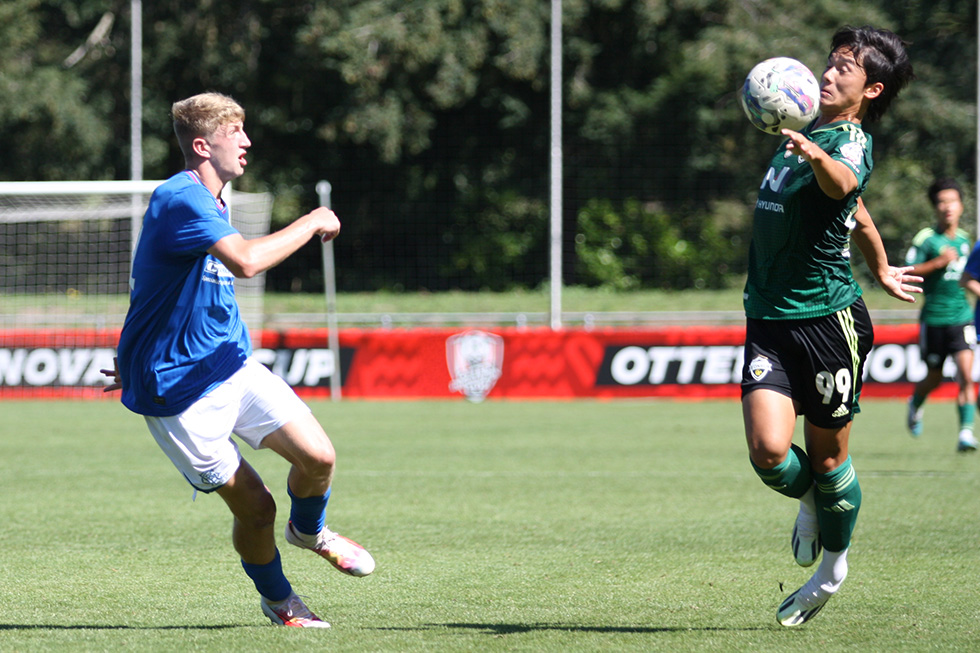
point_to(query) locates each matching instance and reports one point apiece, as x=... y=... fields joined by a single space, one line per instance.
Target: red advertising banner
x=476 y=364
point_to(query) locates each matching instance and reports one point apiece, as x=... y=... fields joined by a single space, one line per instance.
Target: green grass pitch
x=502 y=526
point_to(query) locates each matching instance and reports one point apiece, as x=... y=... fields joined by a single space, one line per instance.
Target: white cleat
x=345 y=555
x=292 y=612
x=804 y=604
x=801 y=606
x=967 y=441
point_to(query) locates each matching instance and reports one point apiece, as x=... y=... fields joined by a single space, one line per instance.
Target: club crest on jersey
x=853 y=153
x=759 y=367
x=475 y=361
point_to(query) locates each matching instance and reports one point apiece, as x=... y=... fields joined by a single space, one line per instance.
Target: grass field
x=503 y=526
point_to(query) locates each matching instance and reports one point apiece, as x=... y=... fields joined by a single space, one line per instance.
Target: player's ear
x=871 y=91
x=201 y=148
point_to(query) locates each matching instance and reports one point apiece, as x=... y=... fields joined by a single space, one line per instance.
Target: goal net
x=65 y=250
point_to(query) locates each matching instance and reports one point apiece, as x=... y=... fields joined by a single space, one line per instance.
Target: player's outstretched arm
x=247 y=258
x=896 y=281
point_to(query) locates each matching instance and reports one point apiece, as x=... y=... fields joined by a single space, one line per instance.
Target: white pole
x=136 y=90
x=323 y=189
x=556 y=164
x=135 y=112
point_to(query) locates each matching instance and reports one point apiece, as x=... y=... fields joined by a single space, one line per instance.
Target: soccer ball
x=780 y=93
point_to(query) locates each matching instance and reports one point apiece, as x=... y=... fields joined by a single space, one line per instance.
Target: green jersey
x=945 y=302
x=800 y=256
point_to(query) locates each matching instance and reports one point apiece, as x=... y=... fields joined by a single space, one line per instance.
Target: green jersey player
x=938 y=254
x=807 y=329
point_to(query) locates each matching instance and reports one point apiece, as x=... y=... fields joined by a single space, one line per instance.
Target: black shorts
x=938 y=342
x=817 y=362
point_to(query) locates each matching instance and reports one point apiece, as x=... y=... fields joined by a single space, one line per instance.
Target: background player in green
x=807 y=329
x=938 y=254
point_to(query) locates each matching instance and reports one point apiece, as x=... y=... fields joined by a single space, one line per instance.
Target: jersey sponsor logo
x=216 y=272
x=759 y=368
x=776 y=182
x=774 y=207
x=475 y=360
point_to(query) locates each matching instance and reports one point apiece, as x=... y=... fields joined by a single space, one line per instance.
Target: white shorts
x=252 y=403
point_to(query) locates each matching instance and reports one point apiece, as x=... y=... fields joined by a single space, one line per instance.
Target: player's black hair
x=883 y=56
x=944 y=183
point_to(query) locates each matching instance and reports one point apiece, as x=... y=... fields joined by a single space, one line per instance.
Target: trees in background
x=431 y=120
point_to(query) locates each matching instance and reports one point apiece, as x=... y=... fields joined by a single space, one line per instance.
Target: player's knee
x=262 y=512
x=319 y=463
x=766 y=457
x=766 y=460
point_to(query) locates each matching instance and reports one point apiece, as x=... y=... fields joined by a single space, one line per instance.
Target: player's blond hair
x=202 y=115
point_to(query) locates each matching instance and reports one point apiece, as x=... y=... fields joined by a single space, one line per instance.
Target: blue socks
x=269 y=579
x=310 y=514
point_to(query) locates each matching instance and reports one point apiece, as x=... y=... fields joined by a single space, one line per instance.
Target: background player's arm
x=970 y=283
x=247 y=258
x=947 y=256
x=893 y=280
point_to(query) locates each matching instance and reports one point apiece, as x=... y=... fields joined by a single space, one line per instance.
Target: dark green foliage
x=639 y=246
x=431 y=120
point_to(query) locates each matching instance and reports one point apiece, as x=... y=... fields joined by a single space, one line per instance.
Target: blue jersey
x=973 y=268
x=183 y=334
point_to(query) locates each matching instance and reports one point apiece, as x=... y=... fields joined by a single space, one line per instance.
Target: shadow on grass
x=112 y=627
x=511 y=629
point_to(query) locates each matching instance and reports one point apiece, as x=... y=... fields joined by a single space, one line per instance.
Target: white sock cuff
x=832 y=570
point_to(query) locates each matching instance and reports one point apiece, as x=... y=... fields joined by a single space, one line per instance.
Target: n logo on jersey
x=776 y=182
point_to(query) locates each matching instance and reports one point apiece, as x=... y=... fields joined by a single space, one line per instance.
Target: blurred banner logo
x=476 y=361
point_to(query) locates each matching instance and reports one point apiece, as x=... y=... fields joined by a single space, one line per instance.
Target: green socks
x=791 y=477
x=966 y=416
x=837 y=495
x=838 y=499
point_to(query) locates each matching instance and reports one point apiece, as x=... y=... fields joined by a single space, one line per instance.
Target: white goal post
x=65 y=250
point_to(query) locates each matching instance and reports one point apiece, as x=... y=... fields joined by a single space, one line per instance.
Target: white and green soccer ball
x=780 y=93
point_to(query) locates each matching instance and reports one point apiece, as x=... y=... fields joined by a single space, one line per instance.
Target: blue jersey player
x=184 y=358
